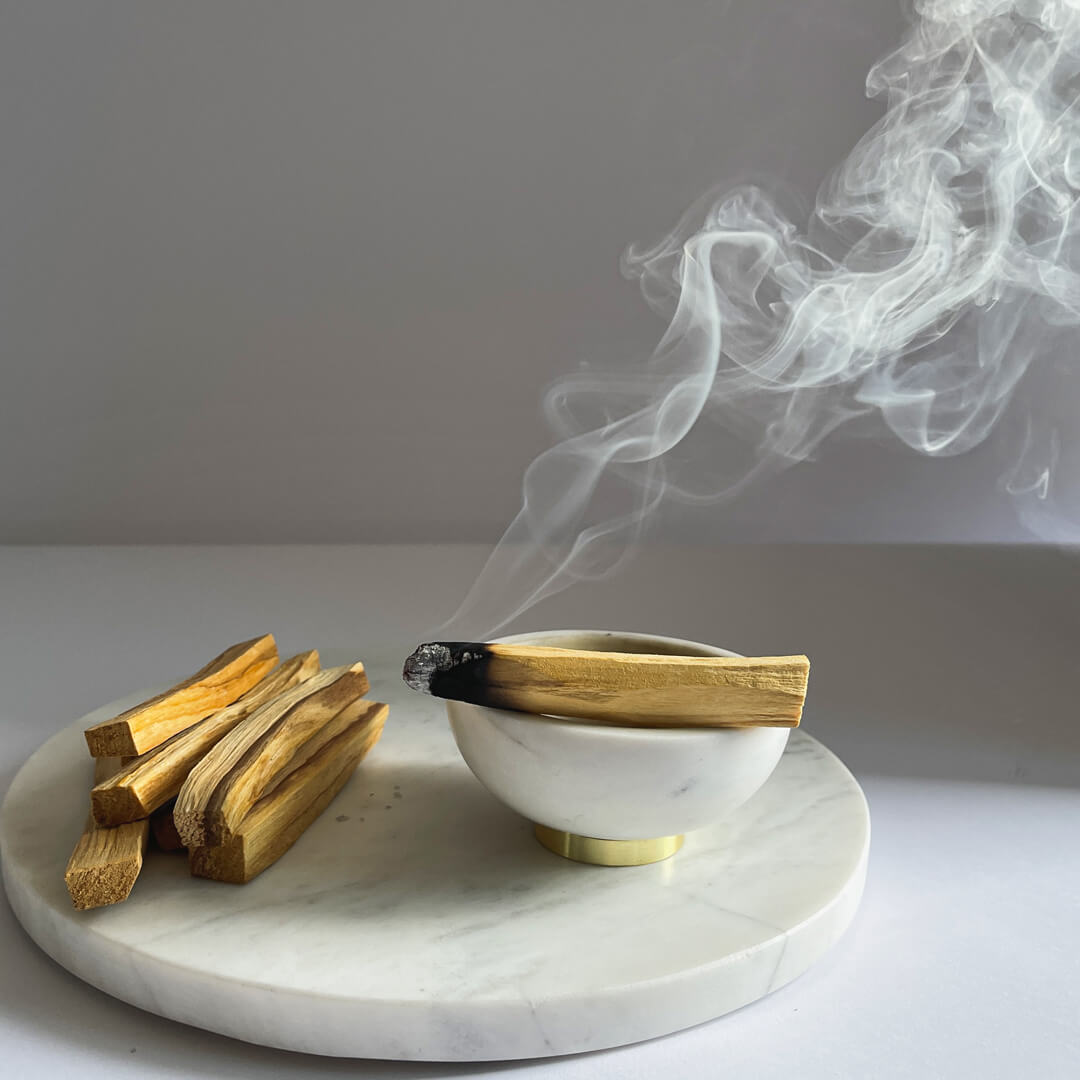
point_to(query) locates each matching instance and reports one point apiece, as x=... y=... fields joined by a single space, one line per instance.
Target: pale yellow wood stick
x=277 y=820
x=106 y=861
x=238 y=771
x=218 y=684
x=157 y=776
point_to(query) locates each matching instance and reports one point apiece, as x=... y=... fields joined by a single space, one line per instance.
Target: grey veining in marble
x=419 y=919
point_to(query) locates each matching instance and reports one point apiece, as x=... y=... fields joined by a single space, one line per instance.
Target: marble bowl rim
x=577 y=729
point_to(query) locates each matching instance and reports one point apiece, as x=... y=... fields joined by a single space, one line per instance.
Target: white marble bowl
x=614 y=783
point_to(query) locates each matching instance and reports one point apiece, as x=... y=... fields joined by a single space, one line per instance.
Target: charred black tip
x=424 y=662
x=448 y=669
x=437 y=664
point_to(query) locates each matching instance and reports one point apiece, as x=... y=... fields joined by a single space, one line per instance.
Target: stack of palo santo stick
x=232 y=764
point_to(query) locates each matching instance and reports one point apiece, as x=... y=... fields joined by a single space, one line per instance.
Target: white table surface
x=945 y=677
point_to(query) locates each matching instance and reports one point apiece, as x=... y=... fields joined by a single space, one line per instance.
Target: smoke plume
x=938 y=268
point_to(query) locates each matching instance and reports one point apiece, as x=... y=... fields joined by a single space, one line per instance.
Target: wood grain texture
x=279 y=818
x=156 y=777
x=631 y=689
x=106 y=862
x=219 y=683
x=224 y=786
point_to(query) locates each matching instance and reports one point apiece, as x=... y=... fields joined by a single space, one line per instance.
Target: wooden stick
x=224 y=786
x=105 y=863
x=220 y=683
x=275 y=822
x=632 y=689
x=157 y=776
x=163 y=829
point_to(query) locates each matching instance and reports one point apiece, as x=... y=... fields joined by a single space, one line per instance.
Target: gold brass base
x=590 y=849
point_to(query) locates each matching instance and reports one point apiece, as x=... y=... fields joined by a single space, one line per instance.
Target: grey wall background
x=279 y=272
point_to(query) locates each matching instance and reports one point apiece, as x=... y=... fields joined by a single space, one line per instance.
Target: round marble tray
x=418 y=918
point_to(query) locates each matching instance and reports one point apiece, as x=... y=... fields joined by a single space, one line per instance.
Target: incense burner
x=614 y=796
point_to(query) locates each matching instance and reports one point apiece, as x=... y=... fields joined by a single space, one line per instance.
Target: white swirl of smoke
x=939 y=264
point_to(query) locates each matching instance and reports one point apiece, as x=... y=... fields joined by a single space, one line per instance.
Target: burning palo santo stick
x=277 y=820
x=156 y=777
x=224 y=786
x=631 y=689
x=220 y=683
x=106 y=861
